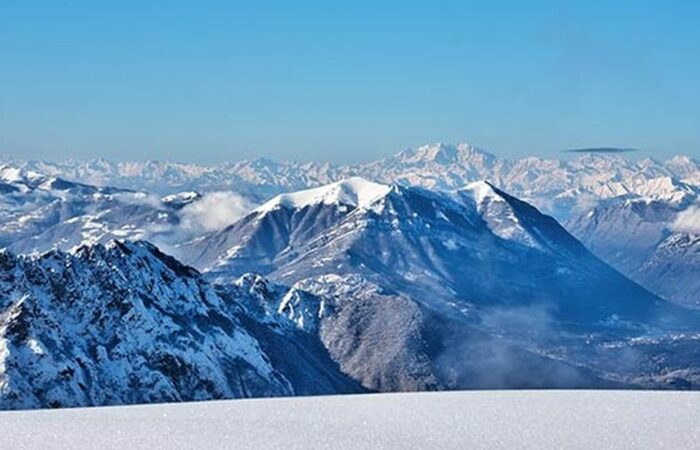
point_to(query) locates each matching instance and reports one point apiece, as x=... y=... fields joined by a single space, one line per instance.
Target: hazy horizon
x=630 y=154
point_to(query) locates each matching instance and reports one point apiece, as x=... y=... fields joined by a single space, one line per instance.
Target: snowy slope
x=125 y=323
x=488 y=420
x=355 y=192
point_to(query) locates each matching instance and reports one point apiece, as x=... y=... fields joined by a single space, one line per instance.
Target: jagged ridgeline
x=125 y=323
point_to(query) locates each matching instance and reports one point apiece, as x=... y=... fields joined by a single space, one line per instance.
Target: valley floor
x=477 y=419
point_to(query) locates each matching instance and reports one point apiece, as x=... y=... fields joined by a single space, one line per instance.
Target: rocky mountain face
x=125 y=323
x=625 y=232
x=672 y=269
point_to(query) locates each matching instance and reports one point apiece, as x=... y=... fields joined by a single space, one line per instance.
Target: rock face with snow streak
x=124 y=323
x=672 y=269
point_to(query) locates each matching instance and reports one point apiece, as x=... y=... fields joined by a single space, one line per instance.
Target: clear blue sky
x=206 y=81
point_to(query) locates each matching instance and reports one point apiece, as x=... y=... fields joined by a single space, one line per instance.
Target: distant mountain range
x=437 y=268
x=557 y=187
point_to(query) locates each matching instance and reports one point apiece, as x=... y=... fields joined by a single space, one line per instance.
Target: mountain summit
x=355 y=192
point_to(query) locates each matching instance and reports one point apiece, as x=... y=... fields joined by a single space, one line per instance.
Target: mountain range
x=560 y=187
x=598 y=197
x=443 y=267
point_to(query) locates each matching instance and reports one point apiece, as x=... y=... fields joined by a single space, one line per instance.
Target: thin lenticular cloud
x=601 y=150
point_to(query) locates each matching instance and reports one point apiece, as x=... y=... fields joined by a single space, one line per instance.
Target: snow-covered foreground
x=483 y=419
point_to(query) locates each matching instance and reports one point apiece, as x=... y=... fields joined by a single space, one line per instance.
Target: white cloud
x=687 y=221
x=215 y=210
x=137 y=198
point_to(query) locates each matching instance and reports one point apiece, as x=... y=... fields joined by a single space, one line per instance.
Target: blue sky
x=206 y=81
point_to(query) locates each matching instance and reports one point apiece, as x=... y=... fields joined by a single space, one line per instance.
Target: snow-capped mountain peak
x=444 y=154
x=482 y=192
x=514 y=220
x=10 y=174
x=682 y=165
x=356 y=192
x=666 y=189
x=20 y=178
x=564 y=188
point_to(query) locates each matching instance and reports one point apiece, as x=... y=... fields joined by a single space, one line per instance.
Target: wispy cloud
x=687 y=221
x=215 y=210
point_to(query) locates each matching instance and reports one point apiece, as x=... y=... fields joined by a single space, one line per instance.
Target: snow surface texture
x=489 y=420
